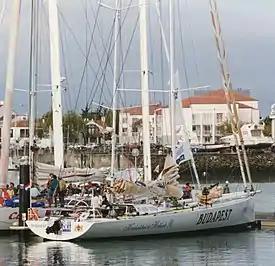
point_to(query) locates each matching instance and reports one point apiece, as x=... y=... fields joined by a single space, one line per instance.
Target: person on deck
x=188 y=187
x=226 y=189
x=62 y=191
x=53 y=191
x=10 y=190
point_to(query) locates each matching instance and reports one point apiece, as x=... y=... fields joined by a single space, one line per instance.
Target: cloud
x=247 y=27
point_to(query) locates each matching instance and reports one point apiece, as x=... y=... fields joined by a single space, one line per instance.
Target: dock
x=267 y=219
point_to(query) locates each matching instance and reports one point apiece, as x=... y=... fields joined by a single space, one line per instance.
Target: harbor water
x=245 y=248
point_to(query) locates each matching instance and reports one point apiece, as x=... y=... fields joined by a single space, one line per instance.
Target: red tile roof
x=22 y=123
x=137 y=110
x=244 y=106
x=214 y=97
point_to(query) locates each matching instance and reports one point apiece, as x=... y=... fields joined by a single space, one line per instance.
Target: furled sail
x=166 y=184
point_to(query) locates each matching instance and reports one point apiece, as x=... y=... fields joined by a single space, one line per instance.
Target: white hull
x=233 y=213
x=9 y=216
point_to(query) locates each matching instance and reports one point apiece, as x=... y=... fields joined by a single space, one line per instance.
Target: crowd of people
x=57 y=190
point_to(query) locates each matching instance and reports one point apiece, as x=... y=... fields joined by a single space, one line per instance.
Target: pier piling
x=24 y=193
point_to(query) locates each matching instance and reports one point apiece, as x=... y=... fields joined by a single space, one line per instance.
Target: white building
x=202 y=115
x=130 y=124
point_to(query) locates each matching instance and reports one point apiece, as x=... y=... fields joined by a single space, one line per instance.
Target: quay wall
x=211 y=167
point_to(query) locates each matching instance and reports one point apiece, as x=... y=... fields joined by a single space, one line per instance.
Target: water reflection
x=223 y=249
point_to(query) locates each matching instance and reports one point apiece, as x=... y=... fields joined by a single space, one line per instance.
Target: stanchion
x=24 y=193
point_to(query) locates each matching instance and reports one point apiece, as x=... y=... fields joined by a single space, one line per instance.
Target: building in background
x=130 y=124
x=200 y=116
x=203 y=115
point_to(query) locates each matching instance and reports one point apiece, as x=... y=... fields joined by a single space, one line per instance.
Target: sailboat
x=207 y=212
x=10 y=215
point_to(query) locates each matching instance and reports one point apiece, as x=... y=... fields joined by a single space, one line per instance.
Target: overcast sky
x=248 y=28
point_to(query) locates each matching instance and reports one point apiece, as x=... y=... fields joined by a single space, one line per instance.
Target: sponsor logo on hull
x=66 y=226
x=214 y=217
x=15 y=215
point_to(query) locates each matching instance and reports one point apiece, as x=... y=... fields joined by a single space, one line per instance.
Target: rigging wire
x=100 y=34
x=87 y=57
x=3 y=11
x=192 y=41
x=100 y=60
x=108 y=54
x=128 y=49
x=112 y=45
x=65 y=72
x=75 y=38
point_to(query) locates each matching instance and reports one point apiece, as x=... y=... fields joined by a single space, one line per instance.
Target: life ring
x=33 y=214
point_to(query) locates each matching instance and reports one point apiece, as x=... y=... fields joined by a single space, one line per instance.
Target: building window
x=256 y=133
x=219 y=117
x=159 y=131
x=194 y=119
x=134 y=129
x=218 y=130
x=206 y=139
x=124 y=120
x=22 y=133
x=11 y=135
x=206 y=129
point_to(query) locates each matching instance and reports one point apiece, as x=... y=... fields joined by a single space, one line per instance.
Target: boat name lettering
x=213 y=217
x=38 y=225
x=155 y=225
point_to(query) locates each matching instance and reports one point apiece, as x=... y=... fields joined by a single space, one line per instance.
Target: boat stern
x=59 y=230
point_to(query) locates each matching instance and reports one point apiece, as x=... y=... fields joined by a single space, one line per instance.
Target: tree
x=267 y=128
x=226 y=128
x=73 y=124
x=43 y=124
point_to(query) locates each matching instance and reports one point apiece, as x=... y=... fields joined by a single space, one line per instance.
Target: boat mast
x=172 y=78
x=56 y=85
x=145 y=89
x=115 y=85
x=172 y=113
x=13 y=41
x=230 y=99
x=33 y=82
